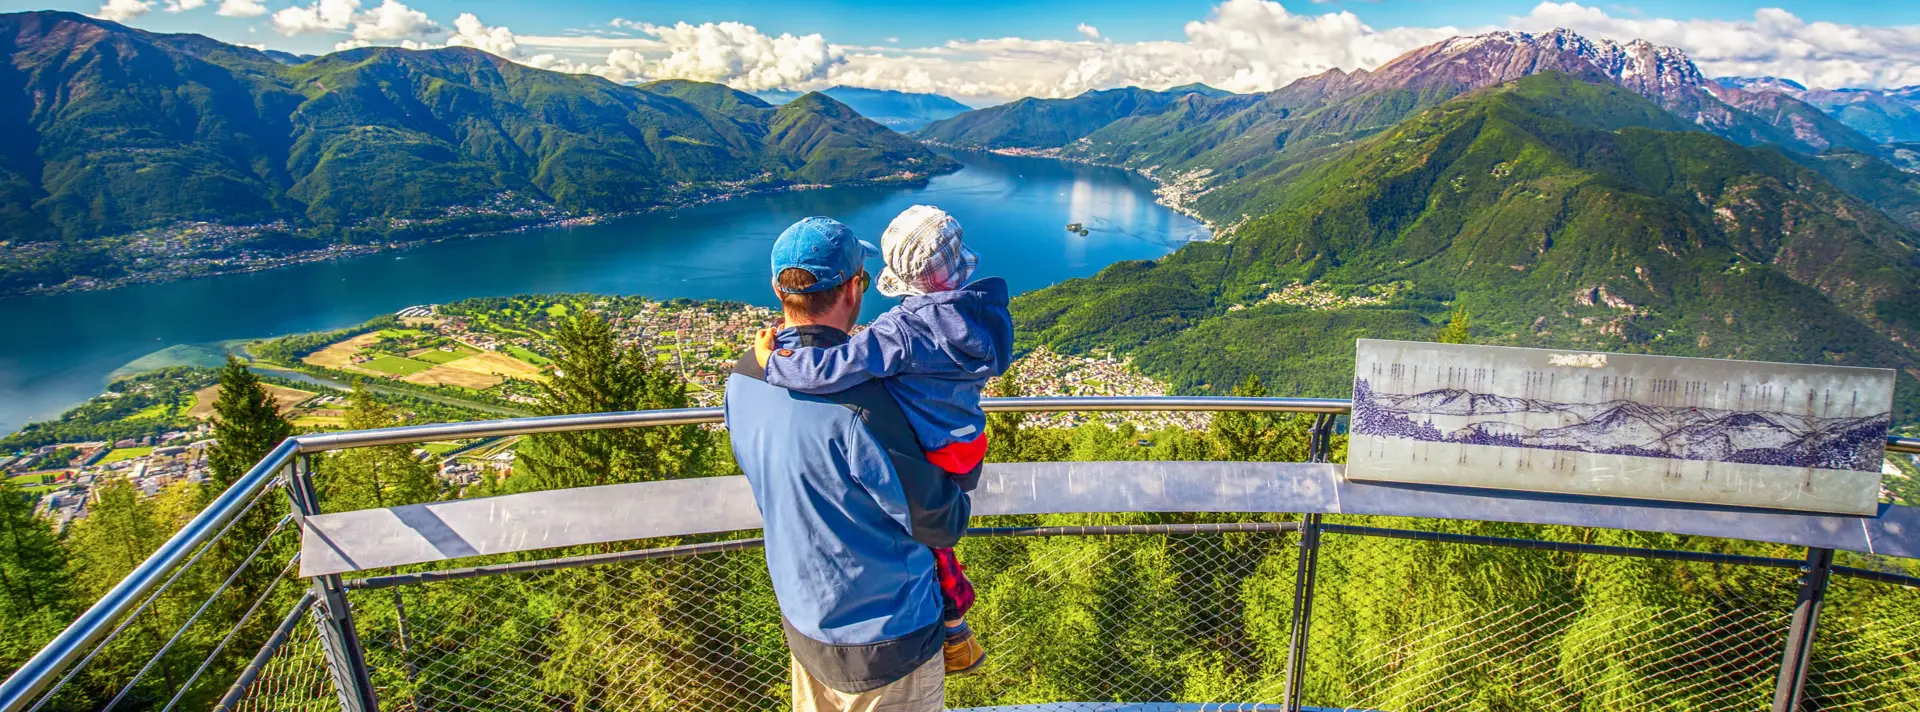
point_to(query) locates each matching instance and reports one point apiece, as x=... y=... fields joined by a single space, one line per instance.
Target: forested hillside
x=1557 y=212
x=116 y=128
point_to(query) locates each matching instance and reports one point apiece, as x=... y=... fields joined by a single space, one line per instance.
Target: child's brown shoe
x=963 y=652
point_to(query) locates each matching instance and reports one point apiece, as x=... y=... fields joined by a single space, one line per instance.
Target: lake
x=60 y=350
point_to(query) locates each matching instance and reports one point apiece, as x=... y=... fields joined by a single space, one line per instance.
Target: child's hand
x=763 y=345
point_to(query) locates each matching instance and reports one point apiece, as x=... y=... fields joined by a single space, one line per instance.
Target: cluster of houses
x=163 y=461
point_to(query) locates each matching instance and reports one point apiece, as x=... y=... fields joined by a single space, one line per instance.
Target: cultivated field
x=453 y=375
x=340 y=355
x=396 y=366
x=283 y=397
x=498 y=364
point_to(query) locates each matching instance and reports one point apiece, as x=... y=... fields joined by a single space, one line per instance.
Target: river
x=59 y=350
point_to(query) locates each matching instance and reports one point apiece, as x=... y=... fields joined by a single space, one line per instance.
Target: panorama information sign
x=1743 y=433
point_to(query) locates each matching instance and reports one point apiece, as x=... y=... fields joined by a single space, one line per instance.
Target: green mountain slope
x=126 y=129
x=1550 y=210
x=1052 y=123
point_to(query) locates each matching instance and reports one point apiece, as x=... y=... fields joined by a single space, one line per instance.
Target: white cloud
x=468 y=31
x=123 y=10
x=241 y=8
x=320 y=16
x=345 y=45
x=185 y=5
x=623 y=65
x=893 y=40
x=578 y=43
x=1774 y=43
x=392 y=21
x=742 y=56
x=1243 y=45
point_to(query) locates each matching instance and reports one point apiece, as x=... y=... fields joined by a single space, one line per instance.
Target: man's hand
x=763 y=345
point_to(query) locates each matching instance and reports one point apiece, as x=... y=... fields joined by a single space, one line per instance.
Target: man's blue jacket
x=850 y=505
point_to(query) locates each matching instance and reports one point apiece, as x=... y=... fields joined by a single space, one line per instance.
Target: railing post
x=346 y=659
x=1303 y=578
x=1792 y=685
x=1320 y=438
x=1319 y=449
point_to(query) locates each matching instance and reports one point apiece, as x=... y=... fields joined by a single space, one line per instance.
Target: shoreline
x=336 y=252
x=1163 y=193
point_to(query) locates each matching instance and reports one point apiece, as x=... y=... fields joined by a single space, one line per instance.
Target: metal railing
x=27 y=688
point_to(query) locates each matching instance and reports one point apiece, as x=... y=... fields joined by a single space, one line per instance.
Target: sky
x=989 y=51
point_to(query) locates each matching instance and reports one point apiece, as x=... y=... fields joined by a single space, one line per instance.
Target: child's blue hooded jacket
x=935 y=353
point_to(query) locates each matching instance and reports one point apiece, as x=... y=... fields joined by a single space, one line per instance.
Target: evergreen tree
x=35 y=592
x=1458 y=328
x=1259 y=437
x=374 y=477
x=595 y=374
x=120 y=530
x=247 y=425
x=1003 y=429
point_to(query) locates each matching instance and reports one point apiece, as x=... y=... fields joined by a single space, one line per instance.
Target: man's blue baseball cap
x=823 y=247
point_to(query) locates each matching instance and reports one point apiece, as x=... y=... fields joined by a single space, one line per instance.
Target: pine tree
x=374 y=477
x=1458 y=328
x=595 y=374
x=1259 y=437
x=247 y=425
x=1003 y=429
x=35 y=590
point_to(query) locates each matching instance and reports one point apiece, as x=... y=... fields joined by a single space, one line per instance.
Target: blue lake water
x=56 y=351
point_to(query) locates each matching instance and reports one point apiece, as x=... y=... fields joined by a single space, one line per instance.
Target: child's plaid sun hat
x=924 y=253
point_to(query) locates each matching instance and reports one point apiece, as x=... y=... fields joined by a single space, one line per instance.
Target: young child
x=936 y=351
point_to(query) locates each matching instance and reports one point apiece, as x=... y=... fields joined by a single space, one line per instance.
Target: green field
x=437 y=356
x=396 y=365
x=31 y=484
x=157 y=410
x=126 y=453
x=525 y=355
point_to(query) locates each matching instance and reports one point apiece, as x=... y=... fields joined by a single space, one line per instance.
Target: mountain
x=1885 y=115
x=122 y=129
x=1199 y=88
x=287 y=57
x=1363 y=100
x=898 y=110
x=1760 y=83
x=1561 y=213
x=1052 y=123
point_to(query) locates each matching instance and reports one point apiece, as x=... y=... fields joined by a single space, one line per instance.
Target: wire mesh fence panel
x=1866 y=653
x=1189 y=617
x=695 y=632
x=1070 y=620
x=295 y=679
x=186 y=641
x=1417 y=625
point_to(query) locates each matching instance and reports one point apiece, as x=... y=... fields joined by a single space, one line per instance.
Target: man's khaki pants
x=923 y=690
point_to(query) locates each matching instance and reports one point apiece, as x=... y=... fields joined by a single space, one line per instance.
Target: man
x=849 y=501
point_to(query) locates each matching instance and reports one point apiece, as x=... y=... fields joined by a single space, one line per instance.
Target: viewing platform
x=1112 y=585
